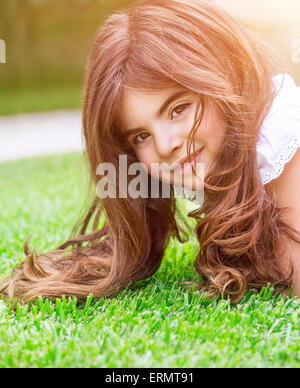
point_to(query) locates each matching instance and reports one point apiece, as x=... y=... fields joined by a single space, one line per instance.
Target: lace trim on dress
x=279 y=136
x=282 y=160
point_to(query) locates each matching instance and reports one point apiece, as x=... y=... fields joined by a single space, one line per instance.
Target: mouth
x=181 y=163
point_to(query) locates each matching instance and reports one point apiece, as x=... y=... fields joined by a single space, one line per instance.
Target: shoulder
x=287 y=194
x=279 y=135
x=287 y=186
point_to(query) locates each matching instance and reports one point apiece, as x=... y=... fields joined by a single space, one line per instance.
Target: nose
x=168 y=143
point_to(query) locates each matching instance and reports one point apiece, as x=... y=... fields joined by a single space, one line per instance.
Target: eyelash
x=178 y=106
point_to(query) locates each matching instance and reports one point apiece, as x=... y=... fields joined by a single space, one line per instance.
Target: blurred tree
x=48 y=40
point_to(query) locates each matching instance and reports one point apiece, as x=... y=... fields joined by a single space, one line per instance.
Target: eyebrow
x=161 y=111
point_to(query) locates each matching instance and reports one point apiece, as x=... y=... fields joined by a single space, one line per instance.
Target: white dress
x=279 y=136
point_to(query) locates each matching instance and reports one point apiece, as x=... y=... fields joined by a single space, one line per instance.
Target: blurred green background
x=47 y=42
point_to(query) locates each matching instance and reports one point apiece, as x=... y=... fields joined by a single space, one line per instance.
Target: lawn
x=36 y=99
x=158 y=322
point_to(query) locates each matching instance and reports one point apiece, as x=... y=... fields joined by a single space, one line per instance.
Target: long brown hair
x=149 y=46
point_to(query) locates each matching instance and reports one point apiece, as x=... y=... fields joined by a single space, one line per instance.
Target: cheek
x=146 y=157
x=212 y=131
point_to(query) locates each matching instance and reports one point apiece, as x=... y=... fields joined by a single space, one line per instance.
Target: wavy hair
x=149 y=46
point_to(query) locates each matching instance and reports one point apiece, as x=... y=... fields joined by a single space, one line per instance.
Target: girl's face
x=157 y=126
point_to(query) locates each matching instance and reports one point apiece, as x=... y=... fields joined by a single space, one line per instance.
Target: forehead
x=138 y=105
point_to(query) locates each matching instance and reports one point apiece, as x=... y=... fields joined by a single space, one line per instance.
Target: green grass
x=158 y=322
x=36 y=99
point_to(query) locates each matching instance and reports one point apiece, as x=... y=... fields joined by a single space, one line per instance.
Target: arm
x=287 y=191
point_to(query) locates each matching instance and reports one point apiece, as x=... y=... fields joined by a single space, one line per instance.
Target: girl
x=164 y=75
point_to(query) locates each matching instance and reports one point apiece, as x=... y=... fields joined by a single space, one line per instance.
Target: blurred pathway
x=36 y=134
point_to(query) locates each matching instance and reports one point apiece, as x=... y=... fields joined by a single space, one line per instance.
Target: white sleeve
x=279 y=136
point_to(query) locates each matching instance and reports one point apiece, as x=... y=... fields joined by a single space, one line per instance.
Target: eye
x=181 y=108
x=136 y=141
